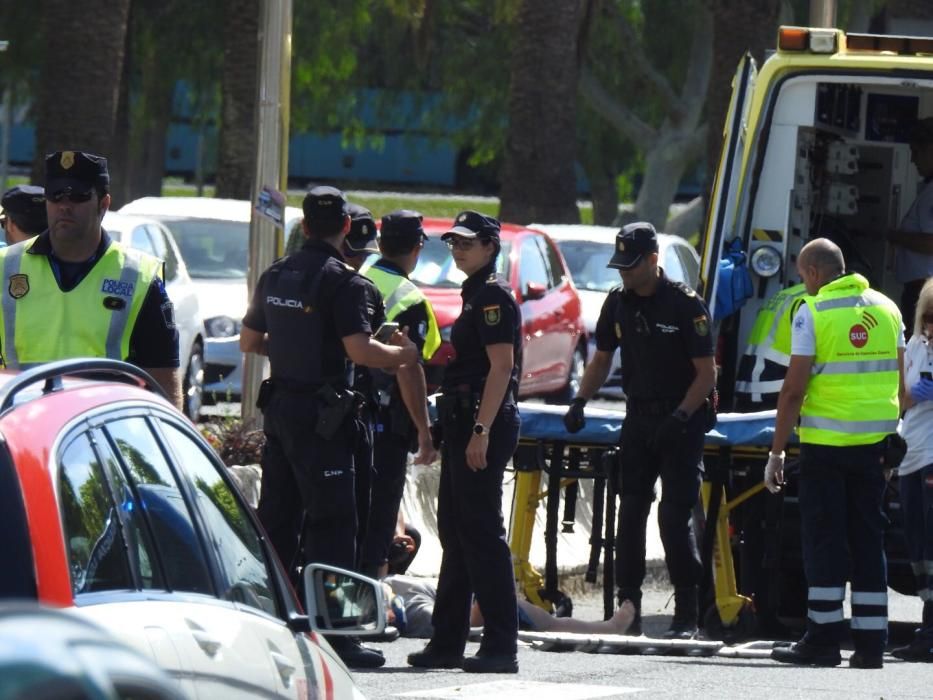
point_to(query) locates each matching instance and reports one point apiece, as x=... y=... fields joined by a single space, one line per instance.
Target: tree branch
x=700 y=62
x=616 y=114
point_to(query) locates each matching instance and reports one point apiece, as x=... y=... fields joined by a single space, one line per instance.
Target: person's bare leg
x=545 y=622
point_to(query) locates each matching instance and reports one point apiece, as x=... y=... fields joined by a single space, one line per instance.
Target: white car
x=587 y=249
x=151 y=237
x=213 y=235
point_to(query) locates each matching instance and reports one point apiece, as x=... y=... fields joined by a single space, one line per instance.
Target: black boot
x=684 y=624
x=354 y=654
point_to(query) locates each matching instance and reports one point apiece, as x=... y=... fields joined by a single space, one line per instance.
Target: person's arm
x=595 y=374
x=914 y=241
x=362 y=349
x=414 y=388
x=253 y=341
x=501 y=360
x=790 y=400
x=903 y=396
x=169 y=378
x=702 y=384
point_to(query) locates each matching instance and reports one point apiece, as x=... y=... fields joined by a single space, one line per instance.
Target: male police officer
x=403 y=411
x=764 y=364
x=23 y=213
x=843 y=381
x=668 y=371
x=72 y=292
x=309 y=315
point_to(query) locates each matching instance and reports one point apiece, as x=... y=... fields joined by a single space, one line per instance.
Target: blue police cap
x=632 y=243
x=76 y=171
x=362 y=235
x=402 y=224
x=472 y=224
x=25 y=204
x=324 y=204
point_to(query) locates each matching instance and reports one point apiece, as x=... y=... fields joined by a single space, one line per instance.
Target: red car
x=554 y=348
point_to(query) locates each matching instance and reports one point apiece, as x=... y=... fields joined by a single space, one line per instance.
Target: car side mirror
x=535 y=290
x=341 y=602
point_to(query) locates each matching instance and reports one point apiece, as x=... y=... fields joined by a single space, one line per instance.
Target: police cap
x=402 y=225
x=25 y=204
x=472 y=224
x=324 y=204
x=632 y=242
x=75 y=171
x=362 y=235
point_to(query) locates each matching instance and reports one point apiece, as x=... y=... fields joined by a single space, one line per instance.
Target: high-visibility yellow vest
x=399 y=294
x=851 y=396
x=768 y=349
x=40 y=323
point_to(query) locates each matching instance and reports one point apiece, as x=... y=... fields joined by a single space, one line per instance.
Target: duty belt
x=651 y=407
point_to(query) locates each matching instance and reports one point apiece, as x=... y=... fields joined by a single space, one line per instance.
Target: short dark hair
x=393 y=247
x=325 y=228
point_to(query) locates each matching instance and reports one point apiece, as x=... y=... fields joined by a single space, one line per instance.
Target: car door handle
x=282 y=664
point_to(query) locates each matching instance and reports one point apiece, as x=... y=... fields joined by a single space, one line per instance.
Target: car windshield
x=587 y=262
x=211 y=248
x=436 y=266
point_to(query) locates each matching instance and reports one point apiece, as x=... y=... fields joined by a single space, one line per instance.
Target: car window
x=554 y=265
x=690 y=264
x=229 y=528
x=212 y=249
x=436 y=266
x=531 y=266
x=139 y=239
x=587 y=263
x=97 y=559
x=164 y=252
x=673 y=267
x=170 y=520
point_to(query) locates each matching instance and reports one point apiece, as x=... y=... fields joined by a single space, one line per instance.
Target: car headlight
x=221 y=327
x=445 y=333
x=766 y=261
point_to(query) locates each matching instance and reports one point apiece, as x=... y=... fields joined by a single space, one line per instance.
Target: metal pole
x=822 y=13
x=273 y=98
x=7 y=118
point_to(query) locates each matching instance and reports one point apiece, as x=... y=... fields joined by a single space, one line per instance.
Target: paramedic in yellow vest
x=73 y=292
x=402 y=419
x=844 y=383
x=764 y=364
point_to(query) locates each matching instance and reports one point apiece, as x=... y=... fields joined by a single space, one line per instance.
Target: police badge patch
x=19 y=286
x=492 y=314
x=701 y=325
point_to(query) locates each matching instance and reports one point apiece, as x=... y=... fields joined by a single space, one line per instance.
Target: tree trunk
x=79 y=79
x=538 y=179
x=237 y=157
x=605 y=196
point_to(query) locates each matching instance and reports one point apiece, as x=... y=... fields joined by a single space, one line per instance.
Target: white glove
x=774 y=472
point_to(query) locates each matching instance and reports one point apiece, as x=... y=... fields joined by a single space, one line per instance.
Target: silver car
x=587 y=249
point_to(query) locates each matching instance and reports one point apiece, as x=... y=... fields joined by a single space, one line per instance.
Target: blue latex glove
x=922 y=390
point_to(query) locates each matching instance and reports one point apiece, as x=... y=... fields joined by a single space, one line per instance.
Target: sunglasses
x=460 y=243
x=71 y=196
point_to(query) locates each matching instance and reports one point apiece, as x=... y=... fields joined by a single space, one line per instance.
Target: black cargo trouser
x=305 y=474
x=677 y=462
x=476 y=556
x=364 y=475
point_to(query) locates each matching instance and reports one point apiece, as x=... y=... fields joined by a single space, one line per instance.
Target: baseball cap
x=632 y=242
x=25 y=204
x=470 y=224
x=921 y=131
x=403 y=224
x=324 y=203
x=76 y=171
x=362 y=235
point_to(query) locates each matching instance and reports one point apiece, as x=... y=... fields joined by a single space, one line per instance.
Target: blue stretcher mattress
x=544 y=422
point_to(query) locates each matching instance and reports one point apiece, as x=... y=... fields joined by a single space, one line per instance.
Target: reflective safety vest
x=764 y=364
x=41 y=323
x=851 y=396
x=399 y=294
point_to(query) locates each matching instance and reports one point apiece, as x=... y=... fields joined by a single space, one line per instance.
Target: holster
x=335 y=407
x=895 y=447
x=711 y=408
x=266 y=389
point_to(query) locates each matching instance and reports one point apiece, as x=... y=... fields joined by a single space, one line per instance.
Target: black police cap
x=632 y=243
x=362 y=235
x=472 y=224
x=402 y=224
x=77 y=171
x=324 y=204
x=25 y=204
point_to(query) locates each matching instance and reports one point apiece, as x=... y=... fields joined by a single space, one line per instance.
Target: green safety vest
x=399 y=293
x=40 y=323
x=769 y=342
x=851 y=396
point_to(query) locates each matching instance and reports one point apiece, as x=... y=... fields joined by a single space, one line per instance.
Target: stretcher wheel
x=744 y=627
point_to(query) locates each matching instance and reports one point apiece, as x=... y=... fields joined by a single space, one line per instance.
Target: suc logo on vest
x=858 y=335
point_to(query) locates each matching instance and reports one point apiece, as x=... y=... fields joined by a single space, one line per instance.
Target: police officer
x=764 y=364
x=403 y=414
x=24 y=213
x=479 y=417
x=357 y=246
x=309 y=315
x=73 y=292
x=846 y=364
x=668 y=371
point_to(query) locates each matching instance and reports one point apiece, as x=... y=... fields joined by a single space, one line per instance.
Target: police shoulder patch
x=684 y=288
x=492 y=314
x=701 y=325
x=492 y=279
x=168 y=314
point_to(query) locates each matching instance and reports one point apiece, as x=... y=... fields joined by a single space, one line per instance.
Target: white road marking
x=521 y=690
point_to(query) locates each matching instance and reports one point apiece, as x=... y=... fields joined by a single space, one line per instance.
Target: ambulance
x=815 y=144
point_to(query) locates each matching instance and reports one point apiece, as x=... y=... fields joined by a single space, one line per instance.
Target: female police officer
x=480 y=422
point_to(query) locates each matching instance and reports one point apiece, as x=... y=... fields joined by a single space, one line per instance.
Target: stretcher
x=545 y=447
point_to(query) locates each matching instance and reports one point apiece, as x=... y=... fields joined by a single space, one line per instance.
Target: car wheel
x=193 y=385
x=574 y=375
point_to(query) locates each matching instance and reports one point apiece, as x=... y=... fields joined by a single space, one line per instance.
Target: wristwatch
x=480 y=429
x=681 y=415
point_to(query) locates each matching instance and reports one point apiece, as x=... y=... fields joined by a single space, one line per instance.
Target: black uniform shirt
x=660 y=335
x=490 y=316
x=307 y=318
x=375 y=309
x=154 y=340
x=415 y=317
